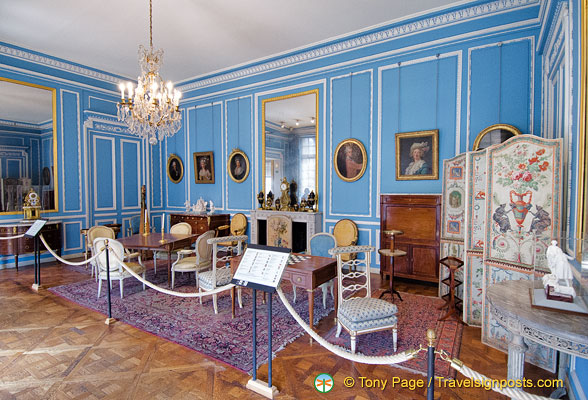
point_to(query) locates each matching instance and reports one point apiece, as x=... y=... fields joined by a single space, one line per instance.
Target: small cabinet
x=201 y=223
x=418 y=216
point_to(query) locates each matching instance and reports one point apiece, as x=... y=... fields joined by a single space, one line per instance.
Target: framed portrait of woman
x=350 y=160
x=175 y=168
x=238 y=166
x=204 y=167
x=417 y=155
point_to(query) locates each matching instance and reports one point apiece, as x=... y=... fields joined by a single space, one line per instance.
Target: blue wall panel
x=71 y=168
x=351 y=118
x=158 y=173
x=104 y=152
x=130 y=180
x=176 y=192
x=239 y=126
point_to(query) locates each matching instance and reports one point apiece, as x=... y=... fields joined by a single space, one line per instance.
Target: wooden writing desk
x=307 y=274
x=152 y=242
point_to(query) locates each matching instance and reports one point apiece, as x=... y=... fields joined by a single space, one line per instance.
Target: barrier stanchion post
x=269 y=340
x=109 y=320
x=254 y=335
x=431 y=364
x=37 y=264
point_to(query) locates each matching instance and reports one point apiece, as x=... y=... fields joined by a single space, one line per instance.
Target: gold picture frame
x=417 y=155
x=175 y=168
x=350 y=160
x=494 y=134
x=238 y=166
x=204 y=167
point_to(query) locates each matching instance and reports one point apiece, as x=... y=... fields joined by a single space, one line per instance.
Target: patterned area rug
x=416 y=314
x=186 y=322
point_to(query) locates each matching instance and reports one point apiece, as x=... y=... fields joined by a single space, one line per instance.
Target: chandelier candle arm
x=151 y=111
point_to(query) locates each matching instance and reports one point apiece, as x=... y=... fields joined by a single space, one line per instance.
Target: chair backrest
x=238 y=224
x=279 y=231
x=134 y=224
x=320 y=244
x=116 y=251
x=346 y=232
x=353 y=276
x=181 y=228
x=203 y=249
x=99 y=231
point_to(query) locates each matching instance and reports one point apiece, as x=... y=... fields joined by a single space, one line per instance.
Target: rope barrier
x=167 y=291
x=11 y=237
x=342 y=352
x=65 y=261
x=506 y=387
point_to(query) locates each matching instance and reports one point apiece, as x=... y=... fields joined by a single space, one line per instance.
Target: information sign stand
x=33 y=232
x=261 y=268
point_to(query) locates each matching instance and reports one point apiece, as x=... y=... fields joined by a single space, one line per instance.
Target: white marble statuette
x=187 y=205
x=561 y=276
x=211 y=208
x=200 y=206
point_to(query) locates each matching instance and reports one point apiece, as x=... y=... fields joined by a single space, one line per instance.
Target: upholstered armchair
x=237 y=227
x=95 y=232
x=220 y=276
x=346 y=233
x=200 y=261
x=133 y=225
x=319 y=245
x=358 y=312
x=181 y=228
x=116 y=252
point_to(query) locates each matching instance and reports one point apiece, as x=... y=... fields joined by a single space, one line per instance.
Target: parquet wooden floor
x=53 y=349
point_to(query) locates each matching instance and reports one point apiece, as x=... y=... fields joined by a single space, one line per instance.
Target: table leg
x=16 y=261
x=516 y=356
x=336 y=297
x=233 y=301
x=310 y=308
x=169 y=253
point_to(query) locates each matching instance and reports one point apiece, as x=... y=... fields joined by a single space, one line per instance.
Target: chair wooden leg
x=120 y=283
x=143 y=282
x=239 y=298
x=353 y=340
x=324 y=288
x=173 y=278
x=155 y=265
x=339 y=326
x=214 y=303
x=395 y=337
x=99 y=287
x=293 y=290
x=199 y=291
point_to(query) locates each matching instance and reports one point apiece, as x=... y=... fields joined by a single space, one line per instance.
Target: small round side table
x=391 y=252
x=451 y=300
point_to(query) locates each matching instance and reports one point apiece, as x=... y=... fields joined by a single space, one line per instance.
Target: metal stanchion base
x=36 y=287
x=110 y=321
x=261 y=388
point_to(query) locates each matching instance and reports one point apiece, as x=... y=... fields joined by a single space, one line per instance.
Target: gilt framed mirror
x=494 y=134
x=28 y=145
x=290 y=142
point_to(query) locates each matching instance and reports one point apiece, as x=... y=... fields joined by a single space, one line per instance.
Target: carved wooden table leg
x=516 y=356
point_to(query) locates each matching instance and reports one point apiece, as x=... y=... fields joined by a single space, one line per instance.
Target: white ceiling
x=198 y=36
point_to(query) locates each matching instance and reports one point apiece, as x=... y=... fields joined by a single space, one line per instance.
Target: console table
x=304 y=225
x=14 y=247
x=510 y=304
x=200 y=222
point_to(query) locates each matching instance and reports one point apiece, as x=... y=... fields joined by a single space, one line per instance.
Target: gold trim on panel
x=55 y=161
x=582 y=220
x=316 y=124
x=491 y=128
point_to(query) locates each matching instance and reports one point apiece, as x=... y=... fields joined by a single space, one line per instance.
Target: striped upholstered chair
x=358 y=312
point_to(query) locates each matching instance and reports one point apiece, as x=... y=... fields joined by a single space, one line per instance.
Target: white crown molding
x=54 y=63
x=434 y=22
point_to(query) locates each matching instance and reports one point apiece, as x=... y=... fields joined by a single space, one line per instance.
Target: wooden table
x=307 y=274
x=510 y=304
x=153 y=241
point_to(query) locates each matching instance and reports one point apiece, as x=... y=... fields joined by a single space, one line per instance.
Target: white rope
x=63 y=260
x=501 y=386
x=11 y=237
x=340 y=351
x=167 y=291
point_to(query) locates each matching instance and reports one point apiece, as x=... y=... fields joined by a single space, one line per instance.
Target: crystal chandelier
x=150 y=110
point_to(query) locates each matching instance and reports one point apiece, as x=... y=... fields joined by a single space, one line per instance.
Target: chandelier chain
x=151 y=110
